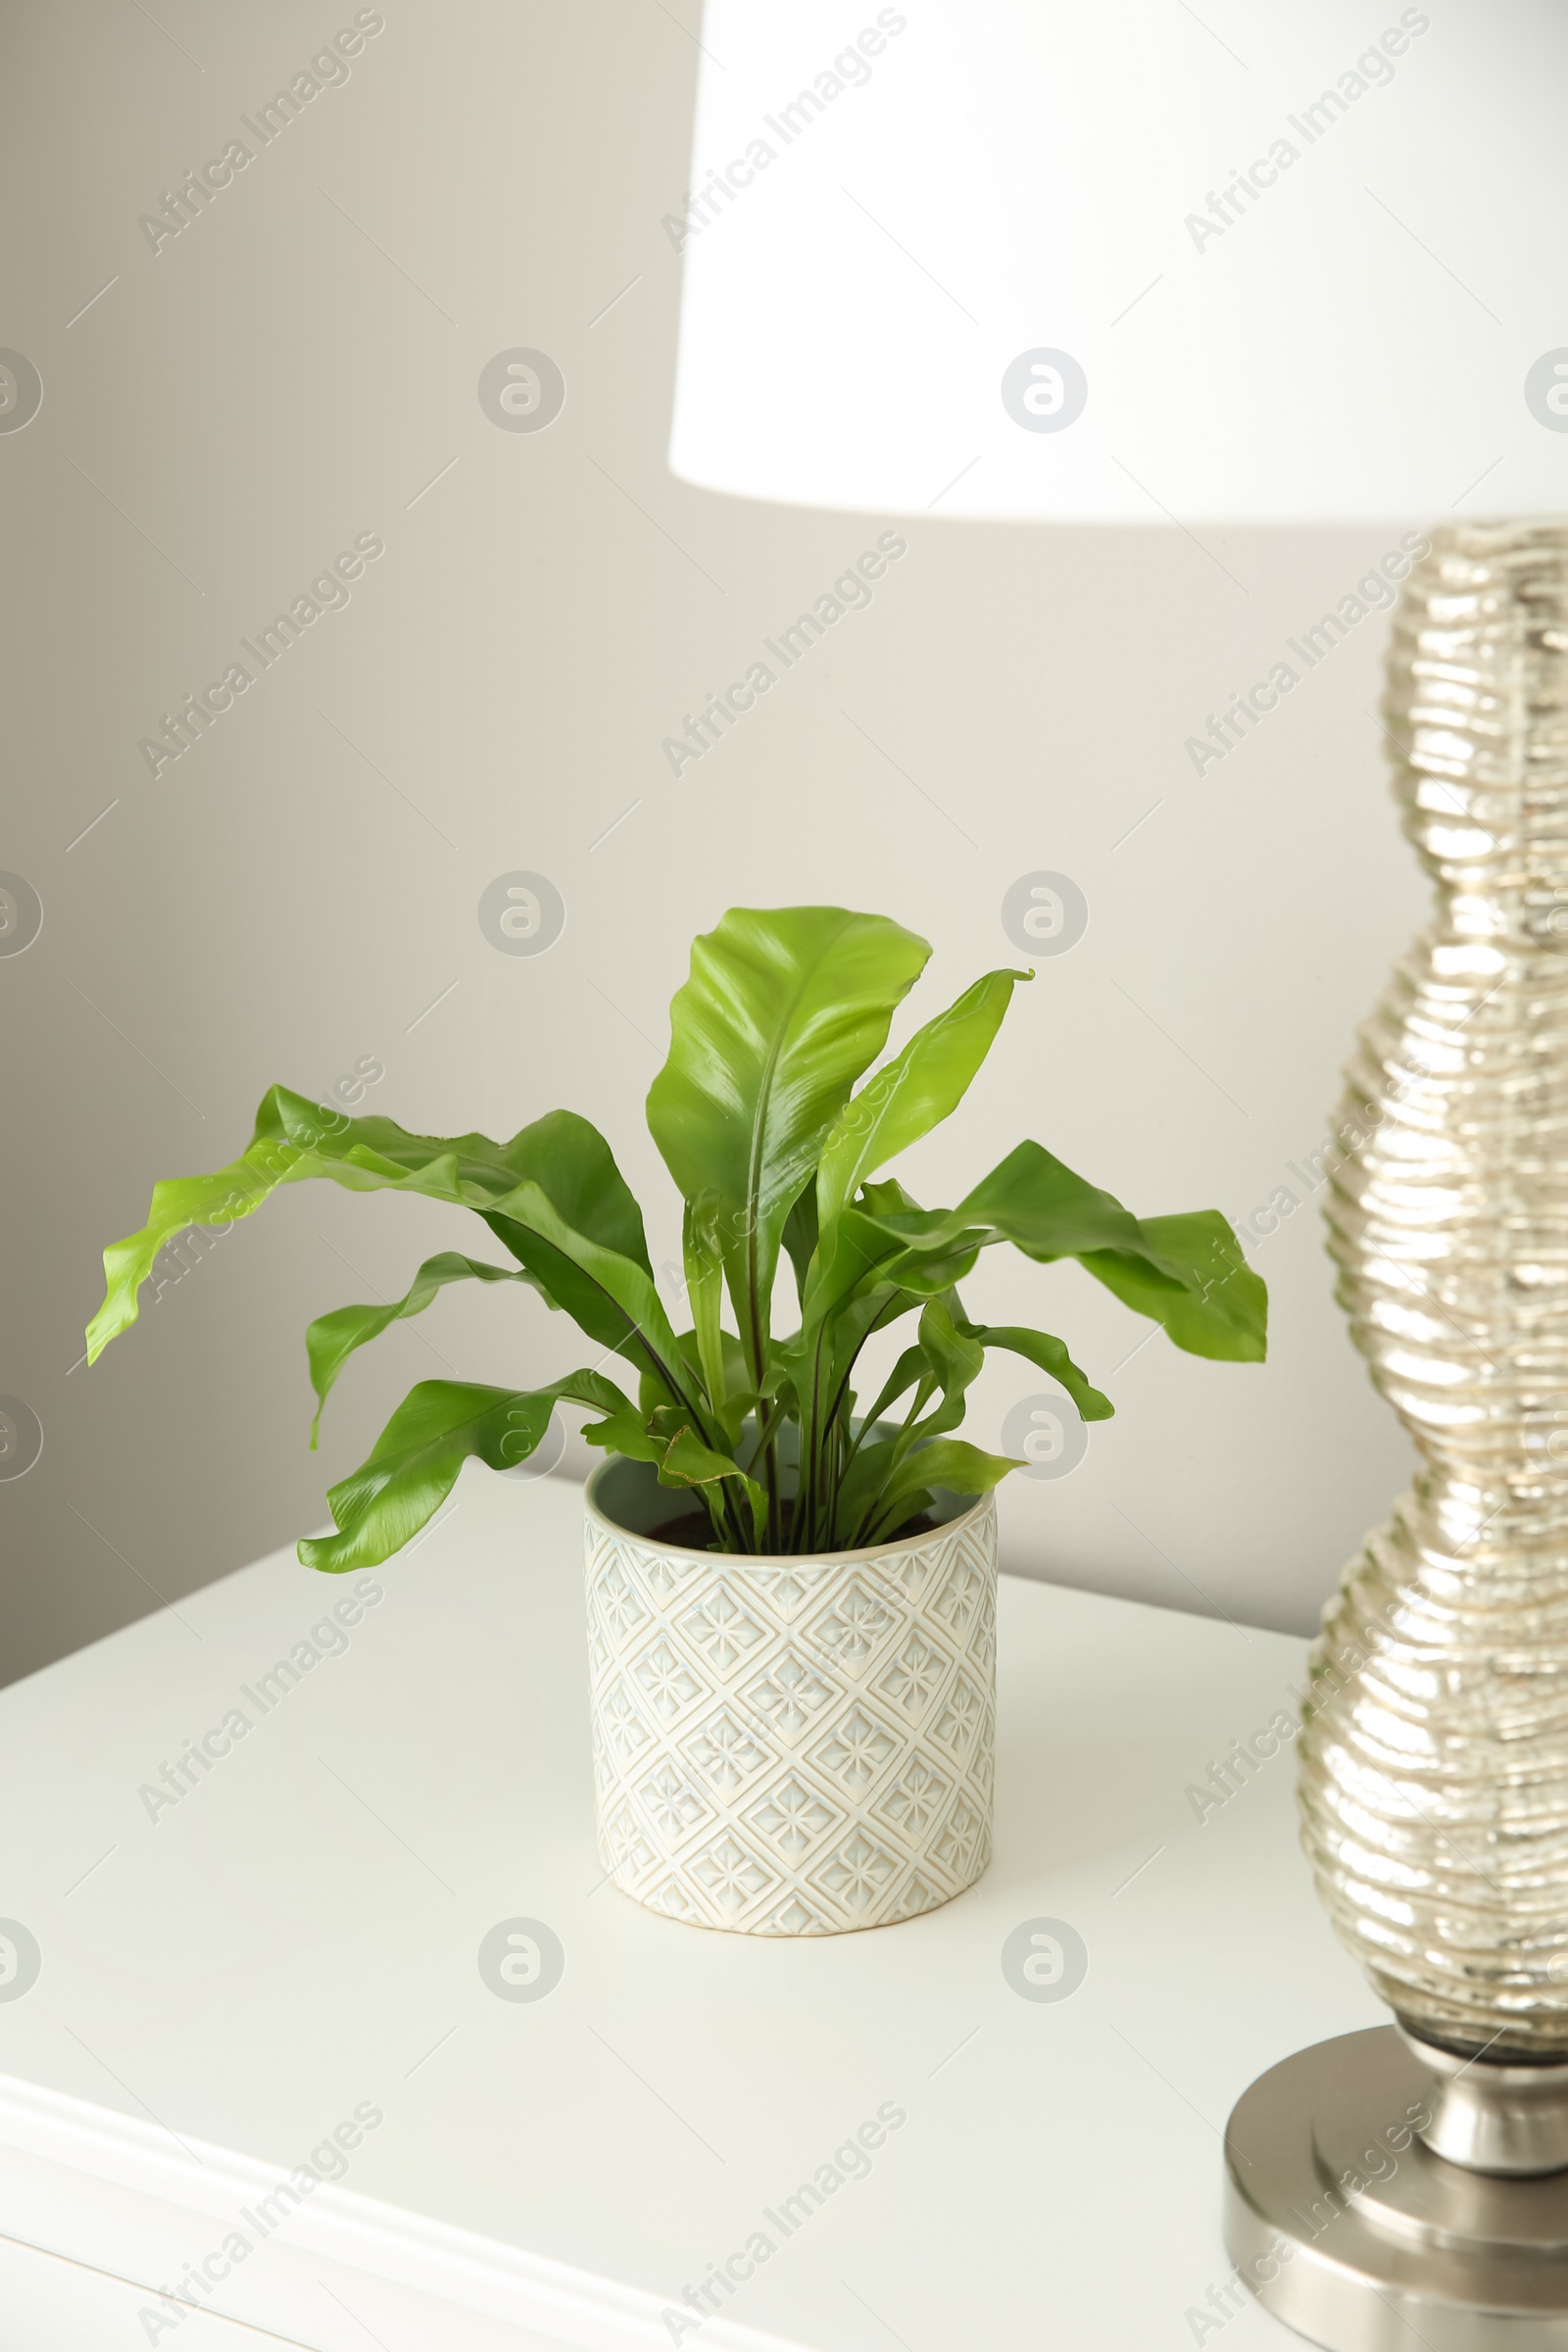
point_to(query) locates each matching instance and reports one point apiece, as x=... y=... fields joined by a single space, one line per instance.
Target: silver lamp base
x=1345 y=2222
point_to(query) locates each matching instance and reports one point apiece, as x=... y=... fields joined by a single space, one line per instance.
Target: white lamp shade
x=1115 y=260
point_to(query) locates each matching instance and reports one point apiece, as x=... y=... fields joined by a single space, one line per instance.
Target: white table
x=223 y=1983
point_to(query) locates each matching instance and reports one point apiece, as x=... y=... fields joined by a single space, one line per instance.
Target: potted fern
x=791 y=1600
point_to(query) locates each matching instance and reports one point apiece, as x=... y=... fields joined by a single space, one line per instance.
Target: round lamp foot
x=1355 y=2234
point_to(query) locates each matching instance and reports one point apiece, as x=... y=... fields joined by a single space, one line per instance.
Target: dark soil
x=692 y=1531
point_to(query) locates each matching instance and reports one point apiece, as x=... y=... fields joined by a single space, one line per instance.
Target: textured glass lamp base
x=1352 y=2232
x=1433 y=1753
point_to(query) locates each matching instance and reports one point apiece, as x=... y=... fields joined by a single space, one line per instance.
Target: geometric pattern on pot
x=794 y=1746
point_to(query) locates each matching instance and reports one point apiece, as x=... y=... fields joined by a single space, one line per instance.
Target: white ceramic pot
x=790 y=1746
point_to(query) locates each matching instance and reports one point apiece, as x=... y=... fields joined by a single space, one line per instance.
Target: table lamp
x=1242 y=263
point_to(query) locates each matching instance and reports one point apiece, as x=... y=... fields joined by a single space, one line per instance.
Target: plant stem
x=806 y=1503
x=879 y=1322
x=775 y=1522
x=874 y=1510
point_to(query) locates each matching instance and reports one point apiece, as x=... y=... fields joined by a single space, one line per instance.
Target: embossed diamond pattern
x=960 y=1839
x=672 y=1805
x=918 y=1673
x=792 y=1696
x=787 y=1591
x=915 y=1896
x=626 y=1843
x=912 y=1573
x=732 y=1877
x=725 y=1753
x=619 y=1609
x=912 y=1806
x=669 y=1685
x=794 y=1748
x=857 y=1874
x=625 y=1733
x=964 y=1717
x=855 y=1753
x=793 y=1817
x=961 y=1598
x=853 y=1627
x=722 y=1630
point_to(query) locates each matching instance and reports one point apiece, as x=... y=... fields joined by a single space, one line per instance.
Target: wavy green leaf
x=754 y=1112
x=949 y=1462
x=1050 y=1355
x=912 y=1093
x=611 y=1296
x=1222 y=1309
x=943 y=1363
x=332 y=1338
x=1187 y=1272
x=413 y=1464
x=907 y=1373
x=784 y=1009
x=955 y=1362
x=294 y=1142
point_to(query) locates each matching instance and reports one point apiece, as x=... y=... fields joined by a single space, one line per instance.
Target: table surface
x=227 y=1978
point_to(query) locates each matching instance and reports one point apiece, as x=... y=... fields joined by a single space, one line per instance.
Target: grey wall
x=299 y=891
